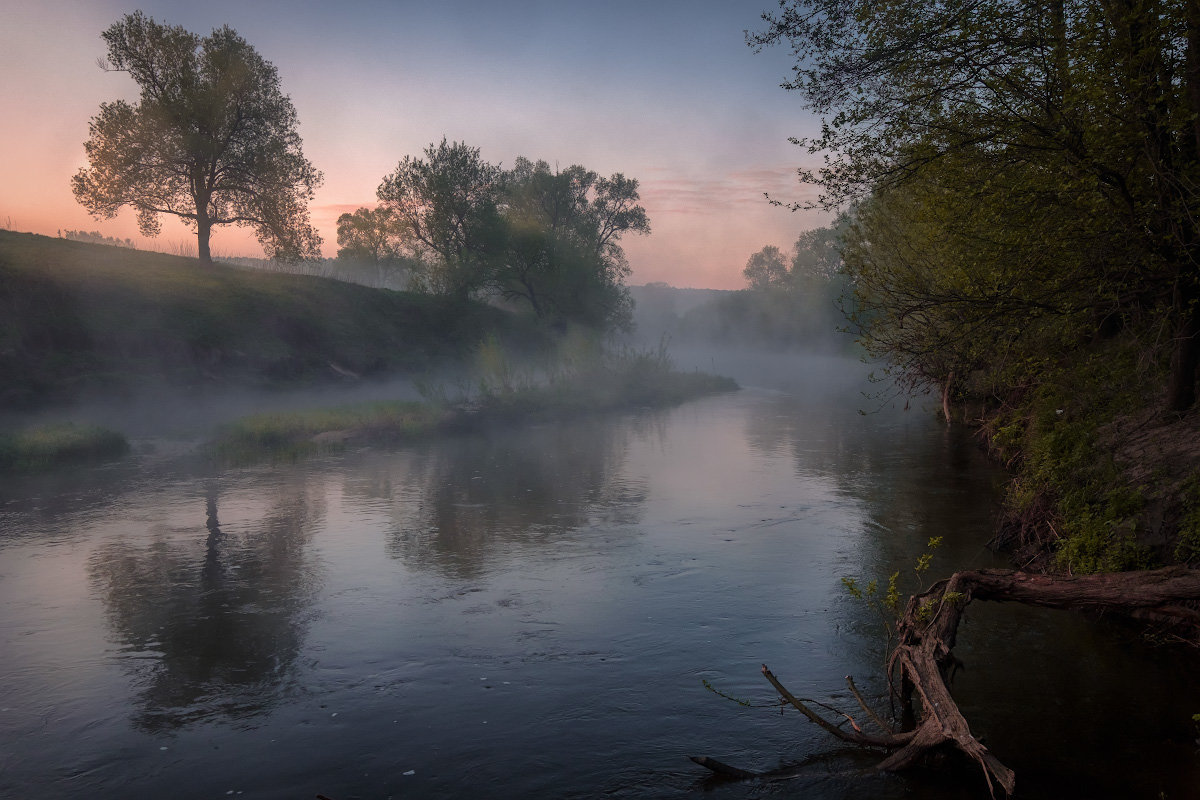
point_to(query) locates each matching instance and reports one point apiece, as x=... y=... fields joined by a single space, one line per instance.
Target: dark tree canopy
x=446 y=205
x=563 y=254
x=548 y=238
x=1038 y=123
x=212 y=140
x=370 y=235
x=817 y=253
x=766 y=269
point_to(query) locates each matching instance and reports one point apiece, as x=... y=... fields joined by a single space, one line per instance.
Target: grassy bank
x=83 y=318
x=500 y=392
x=296 y=433
x=49 y=446
x=1103 y=478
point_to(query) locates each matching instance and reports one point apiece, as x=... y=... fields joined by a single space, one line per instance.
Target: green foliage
x=370 y=245
x=1059 y=439
x=562 y=253
x=928 y=606
x=581 y=379
x=1188 y=548
x=95 y=237
x=496 y=373
x=48 y=446
x=292 y=434
x=954 y=598
x=1023 y=179
x=212 y=140
x=368 y=235
x=529 y=235
x=445 y=206
x=923 y=560
x=889 y=605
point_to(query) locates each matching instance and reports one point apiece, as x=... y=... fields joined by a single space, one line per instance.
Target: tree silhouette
x=212 y=140
x=766 y=269
x=446 y=205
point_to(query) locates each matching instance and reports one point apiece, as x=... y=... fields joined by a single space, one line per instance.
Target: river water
x=532 y=612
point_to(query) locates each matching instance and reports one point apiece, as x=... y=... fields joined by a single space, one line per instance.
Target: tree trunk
x=926 y=636
x=1185 y=356
x=203 y=233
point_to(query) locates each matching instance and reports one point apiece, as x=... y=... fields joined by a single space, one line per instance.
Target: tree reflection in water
x=461 y=505
x=214 y=624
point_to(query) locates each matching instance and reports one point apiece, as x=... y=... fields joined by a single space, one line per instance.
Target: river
x=532 y=612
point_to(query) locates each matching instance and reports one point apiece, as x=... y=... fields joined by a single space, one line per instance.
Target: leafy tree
x=95 y=237
x=447 y=207
x=549 y=238
x=563 y=252
x=949 y=283
x=817 y=255
x=1094 y=103
x=369 y=234
x=766 y=269
x=371 y=243
x=212 y=140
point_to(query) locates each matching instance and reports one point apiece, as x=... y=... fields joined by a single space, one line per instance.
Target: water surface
x=532 y=612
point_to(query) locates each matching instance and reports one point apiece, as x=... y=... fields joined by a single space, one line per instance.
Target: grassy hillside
x=77 y=318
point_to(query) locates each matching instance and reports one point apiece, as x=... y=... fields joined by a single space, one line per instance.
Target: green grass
x=1092 y=510
x=576 y=384
x=292 y=434
x=582 y=377
x=83 y=317
x=49 y=446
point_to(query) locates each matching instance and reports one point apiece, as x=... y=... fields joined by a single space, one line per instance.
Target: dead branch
x=870 y=712
x=854 y=737
x=924 y=656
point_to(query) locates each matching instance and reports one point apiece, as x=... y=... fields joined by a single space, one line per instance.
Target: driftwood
x=924 y=658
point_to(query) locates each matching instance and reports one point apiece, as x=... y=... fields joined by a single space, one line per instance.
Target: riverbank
x=1104 y=479
x=606 y=381
x=86 y=321
x=45 y=447
x=603 y=383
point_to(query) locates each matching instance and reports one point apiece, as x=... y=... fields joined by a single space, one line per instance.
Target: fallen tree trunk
x=924 y=658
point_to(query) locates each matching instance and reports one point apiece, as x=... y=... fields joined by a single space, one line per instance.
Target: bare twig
x=856 y=737
x=870 y=712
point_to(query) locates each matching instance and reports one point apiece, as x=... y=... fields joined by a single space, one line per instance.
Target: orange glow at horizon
x=685 y=108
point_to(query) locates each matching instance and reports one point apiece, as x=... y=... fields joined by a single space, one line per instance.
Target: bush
x=48 y=446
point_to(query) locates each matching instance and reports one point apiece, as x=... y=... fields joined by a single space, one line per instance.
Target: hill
x=81 y=319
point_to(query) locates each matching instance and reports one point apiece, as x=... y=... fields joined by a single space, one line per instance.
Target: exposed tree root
x=924 y=659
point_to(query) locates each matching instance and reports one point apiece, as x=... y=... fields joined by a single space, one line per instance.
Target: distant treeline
x=794 y=301
x=95 y=237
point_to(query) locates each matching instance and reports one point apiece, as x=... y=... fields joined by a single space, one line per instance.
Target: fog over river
x=533 y=611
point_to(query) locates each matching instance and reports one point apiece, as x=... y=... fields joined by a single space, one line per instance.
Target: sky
x=664 y=91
